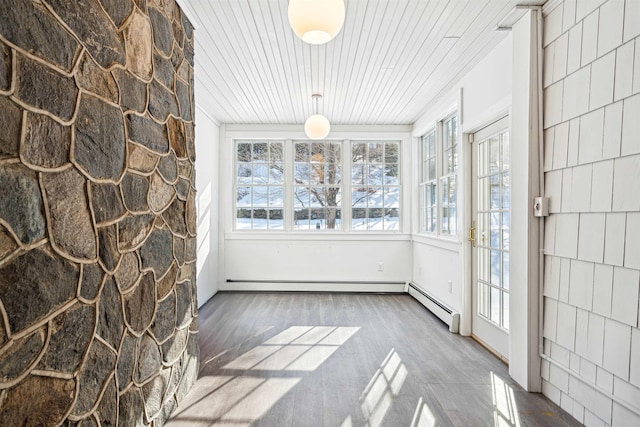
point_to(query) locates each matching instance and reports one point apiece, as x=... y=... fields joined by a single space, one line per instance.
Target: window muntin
x=438 y=179
x=259 y=188
x=375 y=185
x=428 y=184
x=317 y=187
x=448 y=182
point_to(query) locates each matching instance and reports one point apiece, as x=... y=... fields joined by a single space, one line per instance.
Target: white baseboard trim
x=264 y=286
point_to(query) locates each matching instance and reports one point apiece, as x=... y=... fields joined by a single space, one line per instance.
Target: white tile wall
x=560 y=354
x=610 y=26
x=627 y=392
x=581 y=188
x=590 y=38
x=584 y=7
x=575 y=96
x=550 y=236
x=574 y=140
x=547 y=76
x=591 y=420
x=623 y=417
x=591 y=132
x=548 y=148
x=559 y=378
x=617 y=348
x=560 y=145
x=604 y=380
x=552 y=280
x=612 y=130
x=582 y=335
x=626 y=178
x=581 y=284
x=602 y=289
x=567 y=182
x=560 y=57
x=553 y=190
x=565 y=274
x=624 y=70
x=636 y=67
x=568 y=14
x=592 y=164
x=567 y=235
x=632 y=241
x=595 y=339
x=552 y=26
x=624 y=301
x=631 y=19
x=615 y=239
x=588 y=369
x=634 y=374
x=566 y=327
x=551 y=391
x=550 y=318
x=591 y=237
x=602 y=81
x=553 y=104
x=602 y=186
x=631 y=126
x=574 y=49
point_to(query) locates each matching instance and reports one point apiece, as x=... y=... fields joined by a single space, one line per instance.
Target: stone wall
x=98 y=306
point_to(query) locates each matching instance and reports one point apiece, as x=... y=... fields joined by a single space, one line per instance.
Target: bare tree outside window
x=317 y=185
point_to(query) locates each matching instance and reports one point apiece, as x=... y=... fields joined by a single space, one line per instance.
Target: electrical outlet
x=380 y=266
x=450 y=286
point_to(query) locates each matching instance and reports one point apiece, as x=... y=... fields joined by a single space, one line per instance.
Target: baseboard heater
x=444 y=313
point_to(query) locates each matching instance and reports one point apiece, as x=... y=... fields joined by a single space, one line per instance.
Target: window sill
x=319 y=236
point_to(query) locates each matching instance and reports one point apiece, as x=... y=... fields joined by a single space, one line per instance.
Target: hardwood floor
x=295 y=359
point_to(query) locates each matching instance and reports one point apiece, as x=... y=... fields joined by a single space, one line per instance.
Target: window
x=317 y=192
x=428 y=183
x=375 y=186
x=300 y=185
x=448 y=180
x=260 y=185
x=438 y=180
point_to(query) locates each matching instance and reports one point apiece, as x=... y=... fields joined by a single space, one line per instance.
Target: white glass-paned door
x=491 y=215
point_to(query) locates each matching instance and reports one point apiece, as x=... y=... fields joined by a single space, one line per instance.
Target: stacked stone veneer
x=97 y=212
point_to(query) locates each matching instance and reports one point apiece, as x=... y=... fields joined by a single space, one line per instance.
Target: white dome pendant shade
x=316 y=21
x=317 y=126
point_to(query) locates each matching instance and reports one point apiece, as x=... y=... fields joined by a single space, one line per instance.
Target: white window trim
x=438 y=128
x=287 y=133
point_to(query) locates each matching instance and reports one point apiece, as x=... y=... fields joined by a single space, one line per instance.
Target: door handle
x=472 y=234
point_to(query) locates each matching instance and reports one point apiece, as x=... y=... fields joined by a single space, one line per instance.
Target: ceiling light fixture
x=317 y=126
x=316 y=21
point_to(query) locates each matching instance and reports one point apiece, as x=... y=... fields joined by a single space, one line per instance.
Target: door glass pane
x=493 y=223
x=495 y=305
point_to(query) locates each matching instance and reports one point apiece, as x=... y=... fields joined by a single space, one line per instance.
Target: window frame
x=444 y=176
x=345 y=185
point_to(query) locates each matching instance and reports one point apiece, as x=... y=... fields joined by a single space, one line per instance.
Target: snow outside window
x=259 y=185
x=317 y=194
x=375 y=185
x=438 y=180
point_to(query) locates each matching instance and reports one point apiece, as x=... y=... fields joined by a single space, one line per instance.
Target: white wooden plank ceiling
x=392 y=59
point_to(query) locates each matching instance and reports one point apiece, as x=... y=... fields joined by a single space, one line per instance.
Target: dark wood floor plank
x=298 y=359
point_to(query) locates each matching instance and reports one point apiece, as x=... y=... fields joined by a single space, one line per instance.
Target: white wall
x=592 y=165
x=483 y=95
x=207 y=149
x=313 y=260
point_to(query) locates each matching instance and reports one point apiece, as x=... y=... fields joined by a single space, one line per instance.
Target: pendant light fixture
x=316 y=21
x=317 y=126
